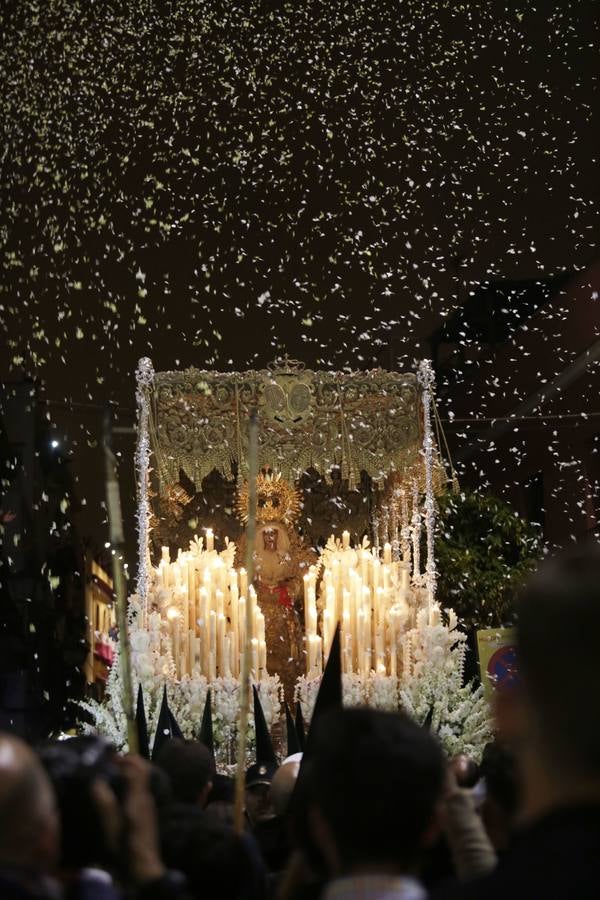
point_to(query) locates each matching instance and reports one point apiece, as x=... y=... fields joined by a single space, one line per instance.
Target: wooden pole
x=115 y=522
x=245 y=671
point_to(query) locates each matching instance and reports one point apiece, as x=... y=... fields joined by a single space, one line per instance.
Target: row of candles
x=368 y=594
x=204 y=602
x=203 y=599
x=365 y=589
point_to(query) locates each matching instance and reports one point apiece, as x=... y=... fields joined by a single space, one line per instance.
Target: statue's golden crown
x=277 y=500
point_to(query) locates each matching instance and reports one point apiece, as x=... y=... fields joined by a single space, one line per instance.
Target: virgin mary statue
x=281 y=559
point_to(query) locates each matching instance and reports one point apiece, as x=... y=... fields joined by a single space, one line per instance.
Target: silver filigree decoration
x=416 y=524
x=396 y=526
x=144 y=380
x=426 y=380
x=376 y=543
x=405 y=531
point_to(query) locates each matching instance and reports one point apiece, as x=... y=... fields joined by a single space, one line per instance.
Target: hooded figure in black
x=142 y=726
x=300 y=727
x=195 y=841
x=270 y=830
x=260 y=775
x=329 y=698
x=167 y=727
x=293 y=740
x=221 y=800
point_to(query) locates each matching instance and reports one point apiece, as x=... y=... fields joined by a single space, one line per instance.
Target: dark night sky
x=213 y=184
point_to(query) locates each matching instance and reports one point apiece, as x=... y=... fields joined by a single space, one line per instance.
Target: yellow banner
x=497 y=657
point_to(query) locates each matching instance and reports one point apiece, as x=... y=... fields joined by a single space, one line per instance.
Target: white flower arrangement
x=383 y=691
x=305 y=693
x=432 y=680
x=152 y=667
x=355 y=689
x=380 y=691
x=432 y=684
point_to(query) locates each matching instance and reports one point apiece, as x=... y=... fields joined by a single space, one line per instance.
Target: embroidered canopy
x=358 y=421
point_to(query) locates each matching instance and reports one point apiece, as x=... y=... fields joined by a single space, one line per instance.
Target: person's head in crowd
x=273 y=831
x=372 y=790
x=29 y=821
x=282 y=786
x=501 y=795
x=223 y=790
x=221 y=800
x=89 y=788
x=190 y=768
x=550 y=716
x=107 y=806
x=465 y=770
x=258 y=792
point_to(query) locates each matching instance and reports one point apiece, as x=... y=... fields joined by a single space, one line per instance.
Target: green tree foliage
x=484 y=550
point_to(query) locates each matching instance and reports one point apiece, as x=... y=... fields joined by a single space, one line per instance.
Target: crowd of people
x=372 y=809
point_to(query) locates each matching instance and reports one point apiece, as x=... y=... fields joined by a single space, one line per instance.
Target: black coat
x=556 y=858
x=216 y=862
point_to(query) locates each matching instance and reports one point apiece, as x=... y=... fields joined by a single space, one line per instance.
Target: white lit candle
x=210 y=539
x=405 y=578
x=204 y=628
x=163 y=573
x=262 y=660
x=221 y=658
x=192 y=650
x=191 y=570
x=319 y=654
x=326 y=630
x=234 y=608
x=310 y=654
x=348 y=653
x=212 y=624
x=173 y=617
x=228 y=651
x=261 y=626
x=233 y=587
x=306 y=612
x=254 y=659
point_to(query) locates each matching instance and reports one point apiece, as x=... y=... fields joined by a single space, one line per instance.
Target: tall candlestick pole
x=245 y=673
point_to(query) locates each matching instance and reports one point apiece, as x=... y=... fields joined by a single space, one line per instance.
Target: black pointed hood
x=293 y=743
x=176 y=731
x=300 y=732
x=206 y=728
x=265 y=754
x=330 y=690
x=163 y=728
x=141 y=724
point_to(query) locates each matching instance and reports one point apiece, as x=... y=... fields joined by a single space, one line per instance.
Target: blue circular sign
x=502 y=667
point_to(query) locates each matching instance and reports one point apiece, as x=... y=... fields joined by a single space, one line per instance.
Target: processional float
x=196 y=598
